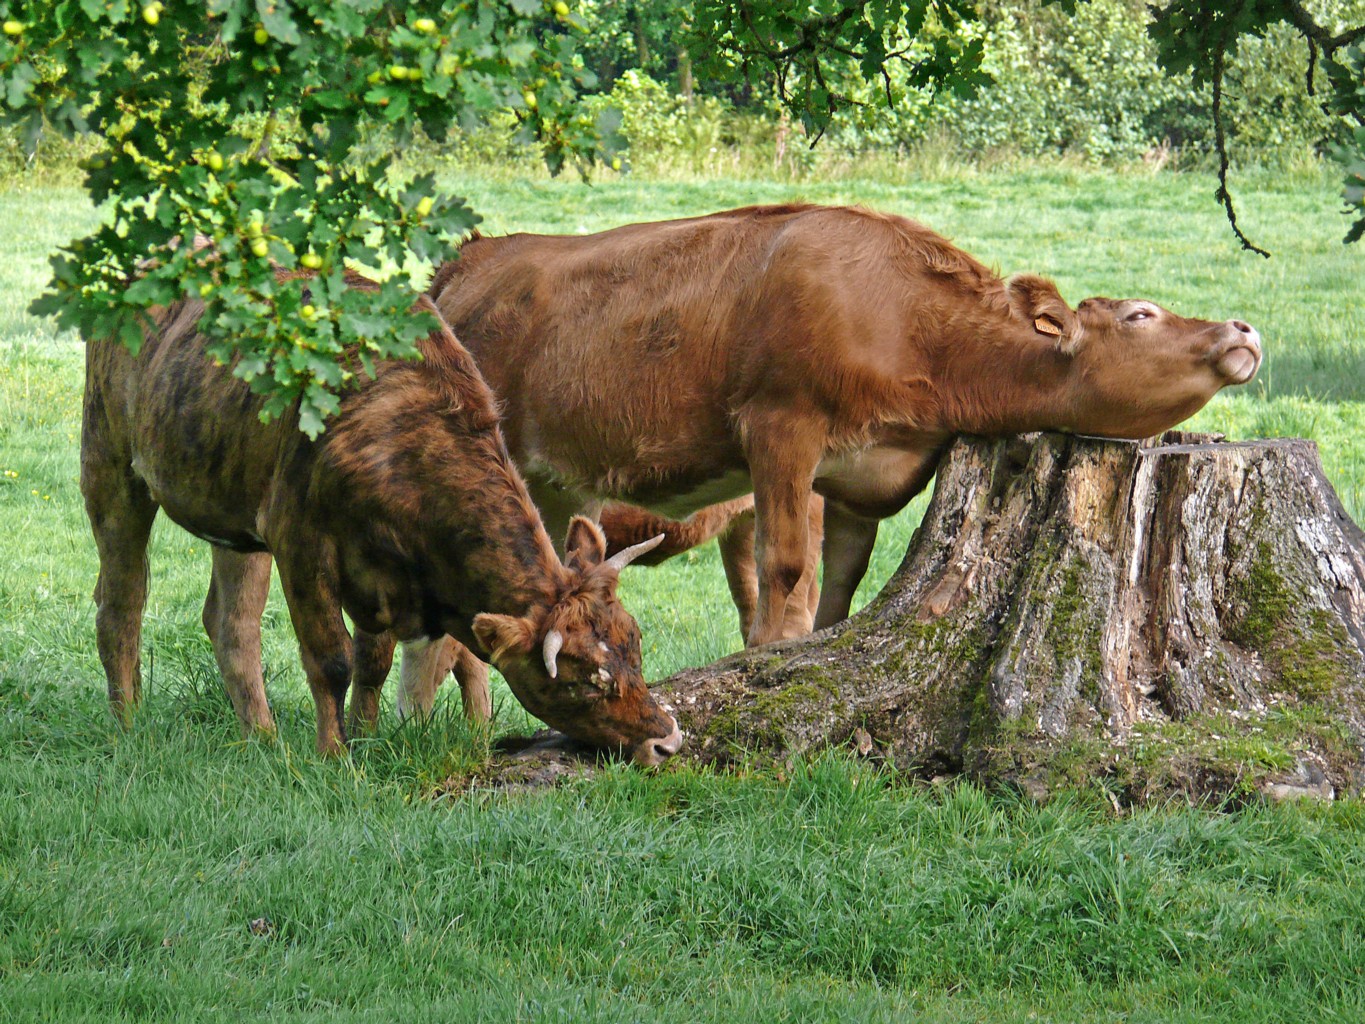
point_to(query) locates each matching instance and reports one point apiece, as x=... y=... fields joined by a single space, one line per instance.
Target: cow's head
x=1138 y=369
x=576 y=665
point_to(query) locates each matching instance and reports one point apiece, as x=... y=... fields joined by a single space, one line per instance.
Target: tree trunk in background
x=685 y=84
x=641 y=40
x=1184 y=617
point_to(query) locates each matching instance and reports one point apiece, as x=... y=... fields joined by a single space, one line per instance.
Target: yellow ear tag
x=1047 y=326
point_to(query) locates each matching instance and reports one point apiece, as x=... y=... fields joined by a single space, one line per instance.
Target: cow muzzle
x=658 y=750
x=1239 y=352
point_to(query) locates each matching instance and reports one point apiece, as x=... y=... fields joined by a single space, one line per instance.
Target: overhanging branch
x=1220 y=142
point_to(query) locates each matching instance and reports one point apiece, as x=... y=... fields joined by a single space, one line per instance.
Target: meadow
x=175 y=872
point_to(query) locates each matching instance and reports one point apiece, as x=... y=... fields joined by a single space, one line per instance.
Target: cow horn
x=625 y=556
x=554 y=640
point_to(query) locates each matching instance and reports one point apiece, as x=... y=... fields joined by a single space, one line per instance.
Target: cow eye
x=583 y=677
x=595 y=682
x=1139 y=314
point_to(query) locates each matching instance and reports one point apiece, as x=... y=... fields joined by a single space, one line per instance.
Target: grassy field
x=133 y=865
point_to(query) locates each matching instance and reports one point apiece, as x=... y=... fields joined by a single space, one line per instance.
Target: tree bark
x=686 y=84
x=1188 y=616
x=641 y=38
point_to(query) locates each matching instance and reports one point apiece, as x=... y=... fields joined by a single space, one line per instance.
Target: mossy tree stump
x=1188 y=615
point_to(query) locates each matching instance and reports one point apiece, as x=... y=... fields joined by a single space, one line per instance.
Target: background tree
x=1198 y=38
x=640 y=35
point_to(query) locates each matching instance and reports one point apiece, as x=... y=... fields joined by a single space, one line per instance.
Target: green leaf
x=19 y=83
x=345 y=19
x=331 y=99
x=249 y=367
x=151 y=291
x=310 y=419
x=130 y=334
x=397 y=108
x=323 y=400
x=276 y=20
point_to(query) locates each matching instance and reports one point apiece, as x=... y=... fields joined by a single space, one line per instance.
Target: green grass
x=132 y=864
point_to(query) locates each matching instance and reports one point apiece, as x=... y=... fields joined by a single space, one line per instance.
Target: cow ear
x=500 y=635
x=1036 y=301
x=586 y=546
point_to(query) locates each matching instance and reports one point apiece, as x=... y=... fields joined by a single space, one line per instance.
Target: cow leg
x=373 y=659
x=782 y=459
x=817 y=525
x=324 y=645
x=737 y=557
x=741 y=573
x=121 y=512
x=472 y=675
x=232 y=618
x=425 y=664
x=805 y=596
x=848 y=547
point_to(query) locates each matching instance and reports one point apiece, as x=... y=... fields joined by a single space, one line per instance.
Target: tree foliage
x=1197 y=38
x=241 y=123
x=814 y=51
x=1087 y=84
x=244 y=123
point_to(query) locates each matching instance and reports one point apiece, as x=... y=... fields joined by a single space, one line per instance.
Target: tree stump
x=1187 y=616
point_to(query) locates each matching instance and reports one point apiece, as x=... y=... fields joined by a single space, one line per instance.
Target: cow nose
x=1252 y=338
x=1237 y=352
x=657 y=751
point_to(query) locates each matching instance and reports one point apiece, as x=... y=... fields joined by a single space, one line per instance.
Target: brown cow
x=791 y=349
x=408 y=514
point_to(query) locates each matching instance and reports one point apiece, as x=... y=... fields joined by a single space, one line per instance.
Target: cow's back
x=186 y=427
x=614 y=354
x=628 y=359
